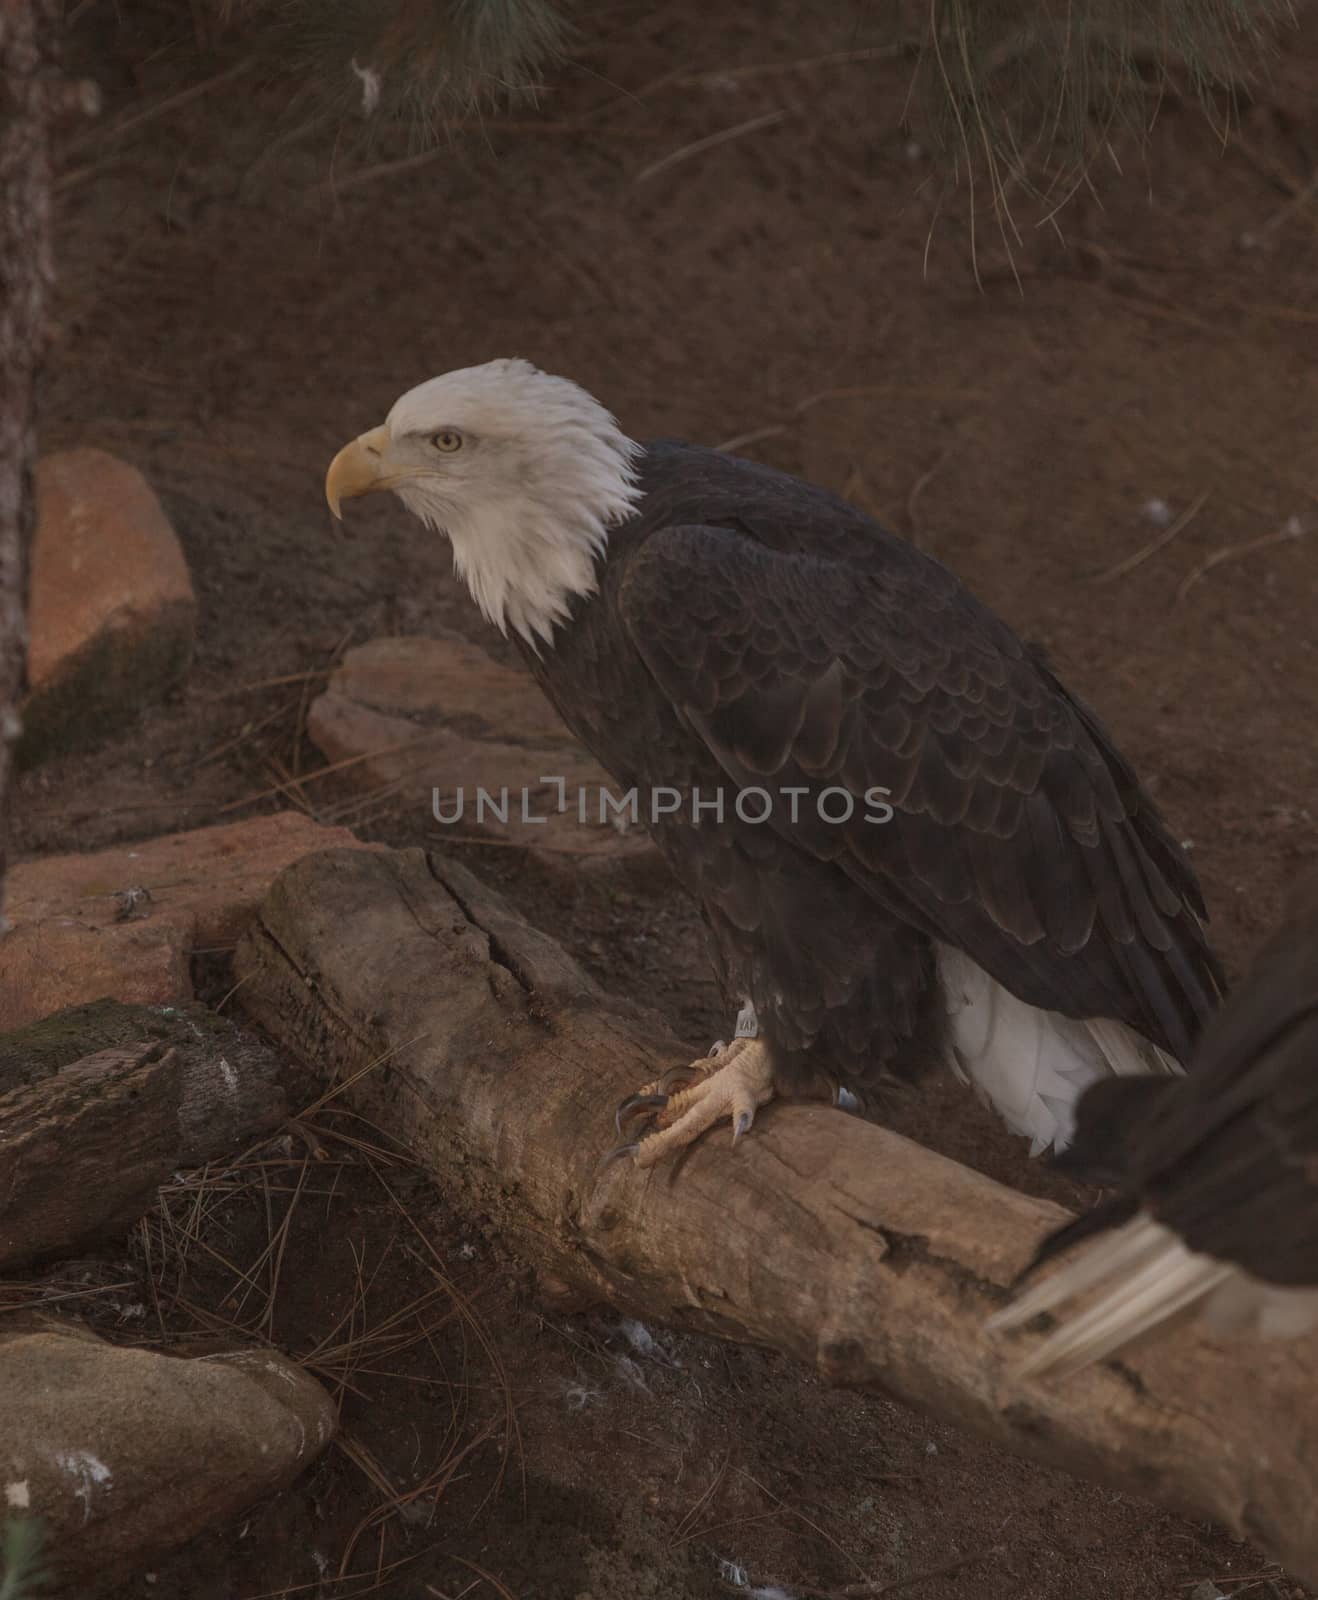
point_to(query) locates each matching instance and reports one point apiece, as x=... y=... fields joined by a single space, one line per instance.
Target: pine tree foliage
x=1031 y=89
x=425 y=61
x=1027 y=89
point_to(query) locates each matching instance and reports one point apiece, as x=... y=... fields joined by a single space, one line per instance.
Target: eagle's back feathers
x=752 y=630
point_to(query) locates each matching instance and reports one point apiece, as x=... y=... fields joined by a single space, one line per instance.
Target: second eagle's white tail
x=1144 y=1278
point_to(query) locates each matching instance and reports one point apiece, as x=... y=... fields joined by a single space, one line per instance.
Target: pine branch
x=427 y=62
x=1032 y=89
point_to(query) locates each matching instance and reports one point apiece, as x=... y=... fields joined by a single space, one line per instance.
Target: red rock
x=46 y=966
x=420 y=715
x=112 y=611
x=82 y=930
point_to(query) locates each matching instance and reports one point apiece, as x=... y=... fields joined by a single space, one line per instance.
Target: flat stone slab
x=124 y=923
x=435 y=721
x=45 y=966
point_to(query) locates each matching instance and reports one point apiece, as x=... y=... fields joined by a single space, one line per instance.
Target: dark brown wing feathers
x=1228 y=1156
x=1021 y=835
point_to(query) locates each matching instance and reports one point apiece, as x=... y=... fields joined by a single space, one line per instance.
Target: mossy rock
x=106 y=687
x=204 y=1040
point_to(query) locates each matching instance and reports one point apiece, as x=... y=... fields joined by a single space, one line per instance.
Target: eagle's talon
x=635 y=1103
x=678 y=1078
x=732 y=1090
x=617 y=1155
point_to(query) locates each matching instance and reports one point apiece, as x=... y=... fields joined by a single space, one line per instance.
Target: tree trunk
x=482 y=1046
x=27 y=33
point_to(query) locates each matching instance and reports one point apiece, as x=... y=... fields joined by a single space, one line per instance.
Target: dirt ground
x=240 y=293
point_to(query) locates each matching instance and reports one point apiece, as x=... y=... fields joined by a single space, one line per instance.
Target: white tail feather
x=1149 y=1278
x=1032 y=1065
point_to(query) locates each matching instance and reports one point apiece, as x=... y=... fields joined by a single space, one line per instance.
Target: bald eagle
x=1216 y=1215
x=905 y=836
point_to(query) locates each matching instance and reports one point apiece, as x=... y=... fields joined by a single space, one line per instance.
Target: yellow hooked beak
x=359 y=468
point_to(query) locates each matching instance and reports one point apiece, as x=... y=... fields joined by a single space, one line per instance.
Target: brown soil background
x=240 y=293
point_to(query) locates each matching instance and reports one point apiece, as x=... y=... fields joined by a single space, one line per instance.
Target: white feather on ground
x=1032 y=1065
x=1149 y=1278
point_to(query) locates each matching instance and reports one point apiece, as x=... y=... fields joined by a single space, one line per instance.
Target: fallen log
x=479 y=1043
x=81 y=1154
x=86 y=1139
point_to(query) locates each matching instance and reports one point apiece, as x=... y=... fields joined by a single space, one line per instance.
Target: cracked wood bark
x=81 y=1154
x=84 y=1149
x=230 y=1084
x=875 y=1261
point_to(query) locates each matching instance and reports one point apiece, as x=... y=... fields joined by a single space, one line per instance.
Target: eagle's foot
x=733 y=1081
x=652 y=1099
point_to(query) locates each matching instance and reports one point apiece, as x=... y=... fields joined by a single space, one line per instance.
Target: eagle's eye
x=448 y=440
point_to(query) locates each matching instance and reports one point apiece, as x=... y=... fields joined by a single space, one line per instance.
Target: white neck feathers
x=525 y=554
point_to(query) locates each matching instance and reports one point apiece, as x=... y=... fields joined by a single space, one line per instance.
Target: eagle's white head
x=523 y=471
